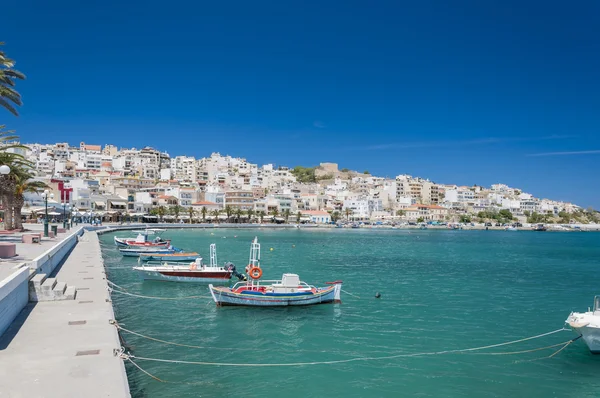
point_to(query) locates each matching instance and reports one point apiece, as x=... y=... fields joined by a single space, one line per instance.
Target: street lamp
x=73 y=212
x=45 y=195
x=64 y=215
x=4 y=169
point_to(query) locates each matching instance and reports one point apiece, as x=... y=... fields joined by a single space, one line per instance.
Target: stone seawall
x=14 y=296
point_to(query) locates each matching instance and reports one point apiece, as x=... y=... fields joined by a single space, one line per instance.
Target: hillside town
x=106 y=183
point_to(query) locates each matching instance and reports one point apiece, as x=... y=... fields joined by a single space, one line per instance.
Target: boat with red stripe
x=288 y=291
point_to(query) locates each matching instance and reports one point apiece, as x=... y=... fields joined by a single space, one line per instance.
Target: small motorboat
x=273 y=293
x=511 y=229
x=540 y=227
x=149 y=231
x=587 y=325
x=178 y=257
x=196 y=272
x=141 y=240
x=135 y=251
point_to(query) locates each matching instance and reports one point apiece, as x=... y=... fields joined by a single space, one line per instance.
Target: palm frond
x=5 y=104
x=14 y=74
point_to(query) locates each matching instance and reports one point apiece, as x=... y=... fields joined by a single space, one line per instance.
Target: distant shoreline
x=112 y=227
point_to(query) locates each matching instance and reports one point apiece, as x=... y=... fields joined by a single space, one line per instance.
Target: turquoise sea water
x=440 y=290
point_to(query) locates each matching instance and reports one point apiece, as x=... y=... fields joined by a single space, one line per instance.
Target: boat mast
x=213 y=255
x=254 y=257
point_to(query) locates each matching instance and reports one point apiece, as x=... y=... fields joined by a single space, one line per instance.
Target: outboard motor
x=231 y=267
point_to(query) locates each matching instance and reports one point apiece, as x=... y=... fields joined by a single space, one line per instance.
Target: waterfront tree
x=465 y=219
x=203 y=212
x=335 y=216
x=228 y=212
x=10 y=99
x=176 y=210
x=286 y=214
x=400 y=213
x=274 y=213
x=250 y=213
x=215 y=213
x=191 y=213
x=161 y=211
x=23 y=184
x=348 y=211
x=239 y=213
x=262 y=215
x=420 y=219
x=298 y=216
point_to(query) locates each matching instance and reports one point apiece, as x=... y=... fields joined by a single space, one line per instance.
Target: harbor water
x=440 y=291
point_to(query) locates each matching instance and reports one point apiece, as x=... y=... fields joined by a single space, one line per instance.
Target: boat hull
x=585 y=324
x=135 y=253
x=225 y=297
x=183 y=276
x=120 y=242
x=168 y=257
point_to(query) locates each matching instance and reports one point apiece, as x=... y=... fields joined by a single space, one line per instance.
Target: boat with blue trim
x=273 y=293
x=135 y=251
x=195 y=272
x=177 y=257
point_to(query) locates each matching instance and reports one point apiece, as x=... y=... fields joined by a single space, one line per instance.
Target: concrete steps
x=42 y=288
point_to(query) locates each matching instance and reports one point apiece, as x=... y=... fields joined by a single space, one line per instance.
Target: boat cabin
x=290 y=283
x=596 y=305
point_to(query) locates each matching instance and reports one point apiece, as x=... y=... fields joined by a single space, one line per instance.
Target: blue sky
x=466 y=92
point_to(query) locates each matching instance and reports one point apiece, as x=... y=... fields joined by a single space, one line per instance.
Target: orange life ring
x=255 y=273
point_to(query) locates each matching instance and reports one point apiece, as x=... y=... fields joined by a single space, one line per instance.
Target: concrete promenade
x=65 y=348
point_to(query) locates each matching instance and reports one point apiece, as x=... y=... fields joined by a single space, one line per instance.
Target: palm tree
x=215 y=213
x=203 y=212
x=239 y=213
x=175 y=210
x=286 y=214
x=298 y=217
x=228 y=212
x=348 y=212
x=191 y=213
x=250 y=213
x=23 y=183
x=161 y=212
x=9 y=97
x=8 y=183
x=274 y=213
x=262 y=215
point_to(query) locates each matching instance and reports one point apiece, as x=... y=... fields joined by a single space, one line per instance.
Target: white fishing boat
x=196 y=272
x=287 y=291
x=587 y=325
x=141 y=240
x=149 y=231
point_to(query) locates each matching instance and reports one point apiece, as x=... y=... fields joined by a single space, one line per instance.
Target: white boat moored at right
x=587 y=324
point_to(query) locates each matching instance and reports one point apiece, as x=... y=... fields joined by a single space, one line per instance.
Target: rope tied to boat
x=118 y=289
x=373 y=358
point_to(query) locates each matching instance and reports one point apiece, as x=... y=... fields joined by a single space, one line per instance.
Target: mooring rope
x=121 y=328
x=119 y=289
x=353 y=295
x=155 y=297
x=340 y=361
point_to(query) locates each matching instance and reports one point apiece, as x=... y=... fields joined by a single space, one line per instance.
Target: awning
x=99 y=203
x=118 y=203
x=53 y=213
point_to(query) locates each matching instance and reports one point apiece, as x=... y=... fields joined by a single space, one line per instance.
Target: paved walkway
x=26 y=252
x=65 y=348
